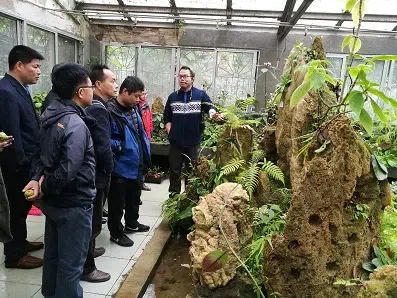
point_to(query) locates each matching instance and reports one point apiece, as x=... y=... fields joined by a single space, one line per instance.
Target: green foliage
x=361 y=212
x=249 y=178
x=381 y=259
x=388 y=232
x=231 y=167
x=353 y=282
x=38 y=100
x=273 y=171
x=177 y=208
x=159 y=133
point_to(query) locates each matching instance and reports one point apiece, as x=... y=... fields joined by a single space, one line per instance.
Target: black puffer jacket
x=67 y=157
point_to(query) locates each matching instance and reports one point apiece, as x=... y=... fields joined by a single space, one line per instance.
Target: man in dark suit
x=18 y=118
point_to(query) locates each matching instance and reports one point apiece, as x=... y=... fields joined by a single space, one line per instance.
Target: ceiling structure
x=381 y=15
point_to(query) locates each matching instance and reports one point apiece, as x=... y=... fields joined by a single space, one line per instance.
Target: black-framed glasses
x=85 y=87
x=183 y=77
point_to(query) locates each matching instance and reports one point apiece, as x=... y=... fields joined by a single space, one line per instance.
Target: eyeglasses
x=184 y=77
x=85 y=87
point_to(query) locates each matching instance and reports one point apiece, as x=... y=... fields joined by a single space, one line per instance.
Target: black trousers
x=176 y=158
x=19 y=209
x=89 y=265
x=124 y=194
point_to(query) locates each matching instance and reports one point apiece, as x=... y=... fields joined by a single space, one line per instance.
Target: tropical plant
x=38 y=100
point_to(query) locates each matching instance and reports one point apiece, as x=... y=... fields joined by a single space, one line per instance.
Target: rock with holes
x=382 y=284
x=336 y=204
x=230 y=202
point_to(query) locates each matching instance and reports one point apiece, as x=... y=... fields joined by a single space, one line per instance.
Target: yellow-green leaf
x=346 y=41
x=353 y=72
x=379 y=94
x=378 y=111
x=299 y=93
x=355 y=45
x=350 y=4
x=356 y=102
x=384 y=57
x=329 y=79
x=393 y=103
x=366 y=121
x=356 y=15
x=318 y=80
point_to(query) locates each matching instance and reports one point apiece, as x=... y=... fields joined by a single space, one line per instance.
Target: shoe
x=105 y=213
x=26 y=262
x=123 y=241
x=104 y=220
x=145 y=187
x=99 y=251
x=138 y=228
x=33 y=246
x=96 y=276
x=172 y=194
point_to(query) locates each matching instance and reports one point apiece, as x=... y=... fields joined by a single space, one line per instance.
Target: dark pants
x=89 y=265
x=67 y=235
x=124 y=194
x=19 y=209
x=176 y=159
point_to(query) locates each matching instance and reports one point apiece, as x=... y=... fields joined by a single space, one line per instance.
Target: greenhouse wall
x=263 y=40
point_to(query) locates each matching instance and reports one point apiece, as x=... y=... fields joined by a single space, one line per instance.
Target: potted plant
x=154 y=175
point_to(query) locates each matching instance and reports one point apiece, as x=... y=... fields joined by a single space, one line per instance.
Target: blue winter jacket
x=130 y=147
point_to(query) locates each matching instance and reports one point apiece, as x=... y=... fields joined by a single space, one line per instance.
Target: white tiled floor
x=16 y=283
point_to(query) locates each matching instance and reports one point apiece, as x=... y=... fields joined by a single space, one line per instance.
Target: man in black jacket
x=105 y=86
x=66 y=163
x=18 y=118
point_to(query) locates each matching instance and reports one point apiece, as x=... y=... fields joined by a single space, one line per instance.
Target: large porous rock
x=325 y=236
x=382 y=284
x=230 y=202
x=294 y=124
x=158 y=106
x=234 y=142
x=268 y=143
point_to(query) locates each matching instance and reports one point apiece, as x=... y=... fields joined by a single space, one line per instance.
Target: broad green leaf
x=377 y=262
x=299 y=93
x=318 y=80
x=185 y=213
x=215 y=260
x=350 y=4
x=162 y=125
x=356 y=102
x=353 y=72
x=378 y=111
x=366 y=121
x=384 y=57
x=380 y=171
x=346 y=41
x=355 y=45
x=369 y=266
x=379 y=94
x=358 y=12
x=329 y=79
x=393 y=102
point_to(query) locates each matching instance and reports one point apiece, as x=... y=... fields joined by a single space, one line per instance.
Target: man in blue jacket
x=18 y=119
x=66 y=163
x=132 y=154
x=182 y=118
x=105 y=86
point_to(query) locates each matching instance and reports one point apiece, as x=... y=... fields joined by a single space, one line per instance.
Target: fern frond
x=257 y=155
x=232 y=166
x=249 y=179
x=273 y=171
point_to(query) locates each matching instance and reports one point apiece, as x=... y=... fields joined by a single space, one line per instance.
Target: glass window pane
x=156 y=72
x=66 y=49
x=8 y=39
x=392 y=87
x=336 y=68
x=234 y=76
x=202 y=63
x=121 y=60
x=43 y=42
x=377 y=71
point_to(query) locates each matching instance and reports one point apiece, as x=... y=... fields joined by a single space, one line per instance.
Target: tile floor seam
x=39 y=290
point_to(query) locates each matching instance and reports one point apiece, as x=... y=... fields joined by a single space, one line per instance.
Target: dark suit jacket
x=18 y=118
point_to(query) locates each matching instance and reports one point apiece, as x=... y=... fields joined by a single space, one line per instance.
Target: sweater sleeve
x=206 y=103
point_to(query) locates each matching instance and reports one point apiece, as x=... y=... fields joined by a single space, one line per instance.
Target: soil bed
x=171 y=279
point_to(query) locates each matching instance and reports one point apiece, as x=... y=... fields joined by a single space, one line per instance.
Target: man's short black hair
x=132 y=84
x=55 y=68
x=189 y=69
x=67 y=78
x=97 y=73
x=23 y=54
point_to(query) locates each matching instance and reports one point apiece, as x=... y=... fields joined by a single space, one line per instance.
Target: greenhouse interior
x=198 y=149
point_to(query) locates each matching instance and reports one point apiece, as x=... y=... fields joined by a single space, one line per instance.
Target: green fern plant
x=272 y=170
x=257 y=155
x=231 y=167
x=249 y=178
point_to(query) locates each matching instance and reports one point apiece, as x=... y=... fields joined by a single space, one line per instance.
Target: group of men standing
x=87 y=146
